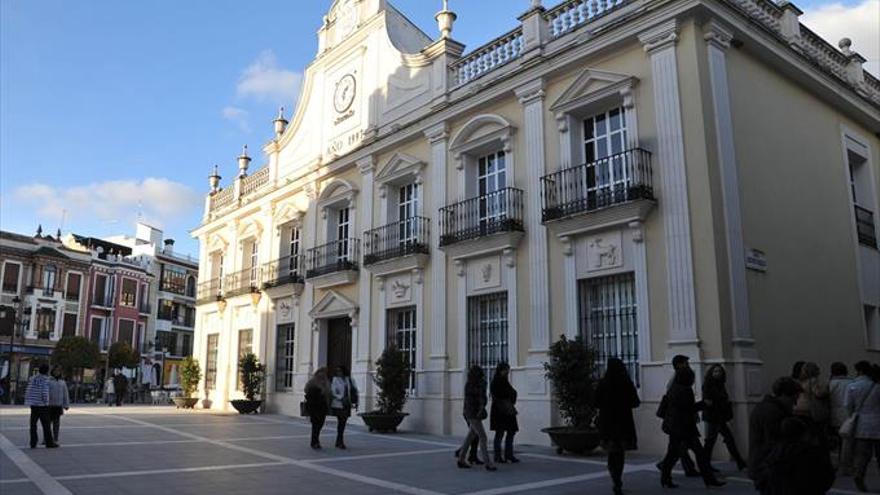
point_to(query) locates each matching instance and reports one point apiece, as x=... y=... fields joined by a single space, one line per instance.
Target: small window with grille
x=608 y=320
x=211 y=362
x=402 y=333
x=487 y=336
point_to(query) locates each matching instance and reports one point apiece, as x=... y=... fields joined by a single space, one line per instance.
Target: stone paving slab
x=8 y=470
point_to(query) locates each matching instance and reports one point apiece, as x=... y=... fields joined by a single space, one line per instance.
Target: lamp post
x=13 y=365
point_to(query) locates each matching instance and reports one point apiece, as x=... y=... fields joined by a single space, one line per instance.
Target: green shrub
x=571 y=370
x=392 y=378
x=252 y=375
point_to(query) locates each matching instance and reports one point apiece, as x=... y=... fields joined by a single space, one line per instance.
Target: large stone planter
x=185 y=402
x=246 y=406
x=581 y=442
x=382 y=423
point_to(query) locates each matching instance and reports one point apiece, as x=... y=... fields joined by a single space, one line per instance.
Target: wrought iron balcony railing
x=283 y=271
x=242 y=282
x=209 y=291
x=865 y=227
x=337 y=256
x=144 y=308
x=499 y=211
x=599 y=184
x=398 y=239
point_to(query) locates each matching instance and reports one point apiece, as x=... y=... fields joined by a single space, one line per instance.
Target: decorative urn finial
x=214 y=180
x=244 y=162
x=280 y=123
x=845 y=45
x=445 y=20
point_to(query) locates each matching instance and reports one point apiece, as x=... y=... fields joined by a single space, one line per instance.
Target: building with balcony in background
x=659 y=177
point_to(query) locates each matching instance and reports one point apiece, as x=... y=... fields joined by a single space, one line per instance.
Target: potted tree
x=252 y=375
x=392 y=379
x=571 y=371
x=190 y=375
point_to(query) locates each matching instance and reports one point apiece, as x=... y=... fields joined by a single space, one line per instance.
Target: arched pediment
x=333 y=305
x=592 y=85
x=285 y=213
x=478 y=128
x=251 y=228
x=398 y=166
x=335 y=189
x=217 y=242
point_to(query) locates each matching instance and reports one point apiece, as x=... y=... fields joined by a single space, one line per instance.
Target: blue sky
x=113 y=108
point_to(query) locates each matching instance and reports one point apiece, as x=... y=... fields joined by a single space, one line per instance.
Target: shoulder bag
x=848 y=428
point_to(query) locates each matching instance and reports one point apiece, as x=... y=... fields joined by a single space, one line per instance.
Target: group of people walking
x=48 y=398
x=502 y=419
x=115 y=389
x=325 y=396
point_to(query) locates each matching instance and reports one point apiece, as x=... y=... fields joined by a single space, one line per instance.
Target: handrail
x=487 y=214
x=573 y=13
x=488 y=57
x=397 y=239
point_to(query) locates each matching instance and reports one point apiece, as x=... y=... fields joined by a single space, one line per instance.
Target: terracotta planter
x=246 y=406
x=381 y=422
x=581 y=442
x=185 y=402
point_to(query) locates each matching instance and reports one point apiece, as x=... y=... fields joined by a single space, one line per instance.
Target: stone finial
x=214 y=180
x=244 y=162
x=39 y=230
x=536 y=4
x=845 y=45
x=280 y=123
x=445 y=20
x=58 y=234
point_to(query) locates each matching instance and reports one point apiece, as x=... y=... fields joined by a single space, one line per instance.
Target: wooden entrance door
x=338 y=344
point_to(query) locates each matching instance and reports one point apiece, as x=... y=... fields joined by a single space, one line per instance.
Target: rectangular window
x=343 y=225
x=254 y=263
x=69 y=329
x=48 y=279
x=491 y=181
x=100 y=291
x=402 y=334
x=129 y=292
x=126 y=332
x=96 y=331
x=284 y=358
x=407 y=209
x=211 y=362
x=487 y=337
x=71 y=292
x=245 y=347
x=608 y=320
x=166 y=342
x=605 y=140
x=173 y=279
x=294 y=249
x=45 y=322
x=186 y=345
x=11 y=273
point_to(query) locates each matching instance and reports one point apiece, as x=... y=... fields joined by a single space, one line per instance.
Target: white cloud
x=238 y=116
x=160 y=201
x=264 y=80
x=859 y=22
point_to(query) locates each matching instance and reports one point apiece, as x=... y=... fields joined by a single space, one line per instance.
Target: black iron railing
x=103 y=300
x=499 y=211
x=209 y=291
x=144 y=308
x=609 y=181
x=242 y=282
x=865 y=227
x=283 y=271
x=398 y=239
x=337 y=256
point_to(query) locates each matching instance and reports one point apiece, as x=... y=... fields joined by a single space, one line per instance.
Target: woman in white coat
x=863 y=398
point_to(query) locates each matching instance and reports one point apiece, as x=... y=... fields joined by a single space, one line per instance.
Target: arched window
x=191 y=286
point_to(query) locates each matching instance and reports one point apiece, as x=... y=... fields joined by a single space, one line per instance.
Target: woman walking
x=475 y=413
x=109 y=391
x=813 y=405
x=318 y=403
x=863 y=399
x=616 y=397
x=344 y=396
x=718 y=412
x=502 y=417
x=59 y=400
x=680 y=423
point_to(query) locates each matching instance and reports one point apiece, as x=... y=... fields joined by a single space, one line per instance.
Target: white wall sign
x=756 y=260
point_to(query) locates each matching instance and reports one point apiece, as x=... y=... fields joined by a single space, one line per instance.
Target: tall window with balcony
x=98 y=332
x=401 y=333
x=68 y=328
x=11 y=276
x=862 y=195
x=101 y=291
x=74 y=284
x=343 y=232
x=294 y=249
x=284 y=358
x=607 y=307
x=174 y=279
x=491 y=184
x=45 y=322
x=48 y=280
x=254 y=264
x=128 y=295
x=211 y=362
x=487 y=331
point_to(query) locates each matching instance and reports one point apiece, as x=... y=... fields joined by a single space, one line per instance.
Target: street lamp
x=16 y=324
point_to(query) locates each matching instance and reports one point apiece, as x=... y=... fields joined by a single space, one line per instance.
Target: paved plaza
x=149 y=450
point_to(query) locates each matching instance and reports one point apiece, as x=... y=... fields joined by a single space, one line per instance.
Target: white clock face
x=345 y=93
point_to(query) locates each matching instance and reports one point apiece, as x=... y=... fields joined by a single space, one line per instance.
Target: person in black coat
x=765 y=425
x=475 y=412
x=794 y=465
x=616 y=397
x=318 y=403
x=502 y=416
x=680 y=423
x=718 y=412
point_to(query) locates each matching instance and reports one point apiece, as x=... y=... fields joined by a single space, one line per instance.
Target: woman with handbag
x=813 y=405
x=317 y=403
x=616 y=397
x=344 y=397
x=718 y=412
x=863 y=425
x=502 y=417
x=475 y=412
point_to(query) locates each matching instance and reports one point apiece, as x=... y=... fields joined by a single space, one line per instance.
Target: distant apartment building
x=43 y=297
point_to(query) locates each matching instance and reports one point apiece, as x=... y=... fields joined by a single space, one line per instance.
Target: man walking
x=681 y=361
x=765 y=425
x=37 y=397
